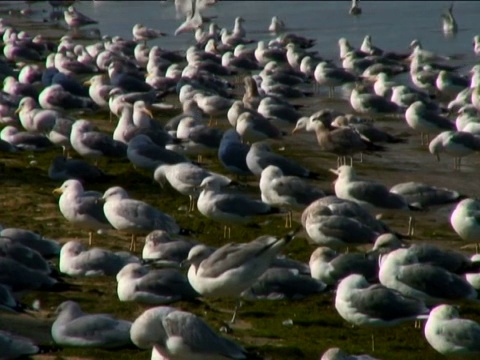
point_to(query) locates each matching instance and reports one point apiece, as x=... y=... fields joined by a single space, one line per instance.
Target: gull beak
x=100 y=201
x=148 y=112
x=18 y=110
x=334 y=171
x=295 y=130
x=87 y=82
x=57 y=191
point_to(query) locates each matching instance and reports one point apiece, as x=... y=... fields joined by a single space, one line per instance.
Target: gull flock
x=218 y=123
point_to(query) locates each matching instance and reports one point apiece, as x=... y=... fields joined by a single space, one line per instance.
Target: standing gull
x=355 y=9
x=142 y=33
x=232 y=153
x=457 y=144
x=369 y=194
x=362 y=304
x=286 y=191
x=186 y=178
x=233 y=268
x=422 y=120
x=180 y=335
x=134 y=216
x=81 y=208
x=229 y=208
x=90 y=143
x=449 y=24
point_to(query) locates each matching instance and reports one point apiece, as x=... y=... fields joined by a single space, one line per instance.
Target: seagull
x=229 y=208
x=363 y=304
x=450 y=335
x=330 y=267
x=422 y=120
x=369 y=194
x=465 y=220
x=142 y=33
x=286 y=191
x=81 y=208
x=355 y=9
x=400 y=270
x=134 y=216
x=232 y=268
x=276 y=25
x=73 y=327
x=175 y=334
x=449 y=24
x=186 y=178
x=155 y=287
x=455 y=143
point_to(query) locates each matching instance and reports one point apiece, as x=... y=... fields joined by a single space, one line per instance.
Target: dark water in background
x=392 y=24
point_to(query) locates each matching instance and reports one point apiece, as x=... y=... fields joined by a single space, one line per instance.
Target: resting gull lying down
x=73 y=327
x=156 y=287
x=450 y=335
x=176 y=334
x=160 y=247
x=75 y=260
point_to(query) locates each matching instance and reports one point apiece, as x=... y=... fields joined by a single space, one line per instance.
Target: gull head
x=197 y=254
x=272 y=172
x=115 y=193
x=323 y=254
x=386 y=243
x=72 y=249
x=27 y=103
x=82 y=125
x=415 y=44
x=157 y=237
x=68 y=309
x=69 y=185
x=141 y=107
x=436 y=145
x=210 y=183
x=132 y=271
x=147 y=330
x=444 y=312
x=353 y=281
x=160 y=174
x=344 y=172
x=301 y=124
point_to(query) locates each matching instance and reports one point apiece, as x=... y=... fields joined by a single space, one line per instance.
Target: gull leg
x=421 y=138
x=199 y=158
x=229 y=229
x=428 y=138
x=238 y=304
x=225 y=231
x=459 y=163
x=361 y=157
x=90 y=238
x=351 y=160
x=373 y=343
x=133 y=243
x=411 y=226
